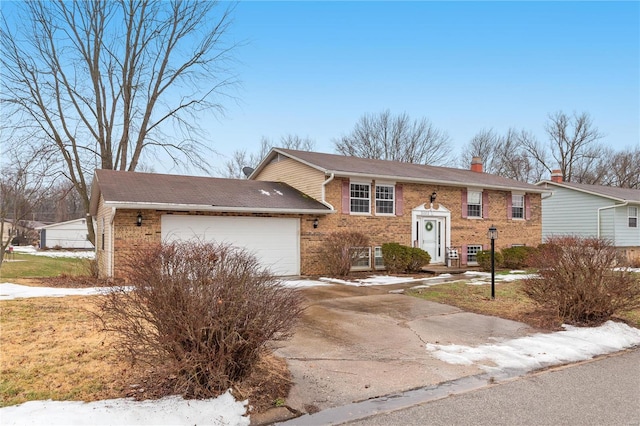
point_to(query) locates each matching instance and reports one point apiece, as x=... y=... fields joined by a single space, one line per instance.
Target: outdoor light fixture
x=433 y=197
x=493 y=236
x=139 y=219
x=315 y=223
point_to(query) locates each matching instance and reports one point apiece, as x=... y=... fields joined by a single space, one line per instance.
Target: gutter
x=605 y=208
x=324 y=184
x=206 y=208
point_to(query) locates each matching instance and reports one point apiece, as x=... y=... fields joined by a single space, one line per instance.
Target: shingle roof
x=161 y=191
x=395 y=170
x=621 y=194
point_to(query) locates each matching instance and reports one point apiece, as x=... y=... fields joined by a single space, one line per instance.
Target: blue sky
x=314 y=68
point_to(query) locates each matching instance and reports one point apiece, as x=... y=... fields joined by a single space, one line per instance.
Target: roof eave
x=597 y=194
x=436 y=181
x=209 y=208
x=267 y=159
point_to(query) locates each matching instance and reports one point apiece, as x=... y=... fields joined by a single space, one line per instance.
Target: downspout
x=111 y=238
x=324 y=184
x=605 y=208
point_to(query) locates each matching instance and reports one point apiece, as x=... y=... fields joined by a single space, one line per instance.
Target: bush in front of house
x=340 y=250
x=577 y=280
x=484 y=259
x=517 y=257
x=399 y=259
x=199 y=315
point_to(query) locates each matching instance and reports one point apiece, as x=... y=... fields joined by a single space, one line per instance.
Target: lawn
x=510 y=303
x=30 y=266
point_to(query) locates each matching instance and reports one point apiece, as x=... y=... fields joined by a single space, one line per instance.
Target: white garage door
x=275 y=241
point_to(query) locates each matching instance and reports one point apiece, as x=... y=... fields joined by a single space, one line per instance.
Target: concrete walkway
x=356 y=343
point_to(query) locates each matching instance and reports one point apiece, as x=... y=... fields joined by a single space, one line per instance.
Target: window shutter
x=399 y=201
x=509 y=206
x=463 y=254
x=485 y=247
x=527 y=207
x=485 y=204
x=464 y=206
x=346 y=189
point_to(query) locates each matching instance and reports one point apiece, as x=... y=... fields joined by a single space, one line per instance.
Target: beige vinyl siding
x=295 y=174
x=104 y=257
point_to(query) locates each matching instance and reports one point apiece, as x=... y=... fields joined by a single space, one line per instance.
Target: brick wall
x=384 y=229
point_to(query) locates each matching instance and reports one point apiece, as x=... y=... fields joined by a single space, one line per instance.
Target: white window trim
x=469 y=191
x=524 y=206
x=629 y=216
x=393 y=200
x=362 y=268
x=350 y=198
x=475 y=262
x=378 y=267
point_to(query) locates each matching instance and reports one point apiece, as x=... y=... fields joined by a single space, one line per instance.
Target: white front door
x=432 y=231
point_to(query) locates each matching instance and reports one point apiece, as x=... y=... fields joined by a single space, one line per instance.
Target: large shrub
x=398 y=258
x=517 y=257
x=340 y=250
x=484 y=259
x=200 y=312
x=577 y=280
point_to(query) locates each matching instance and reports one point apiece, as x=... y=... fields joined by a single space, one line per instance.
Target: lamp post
x=493 y=236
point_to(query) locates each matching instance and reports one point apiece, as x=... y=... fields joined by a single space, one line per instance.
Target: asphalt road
x=605 y=391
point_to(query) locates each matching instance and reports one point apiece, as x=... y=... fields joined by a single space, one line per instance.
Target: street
x=601 y=392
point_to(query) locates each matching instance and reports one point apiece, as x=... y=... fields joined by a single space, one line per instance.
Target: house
x=294 y=199
x=21 y=232
x=71 y=234
x=592 y=211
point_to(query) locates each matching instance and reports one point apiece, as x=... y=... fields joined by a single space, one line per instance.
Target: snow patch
x=263 y=192
x=542 y=349
x=173 y=410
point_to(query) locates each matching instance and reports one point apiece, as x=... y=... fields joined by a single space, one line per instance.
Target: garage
x=275 y=241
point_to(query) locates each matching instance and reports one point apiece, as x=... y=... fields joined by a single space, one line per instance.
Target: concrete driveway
x=355 y=343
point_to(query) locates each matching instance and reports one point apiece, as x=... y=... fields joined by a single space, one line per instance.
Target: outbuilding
x=71 y=234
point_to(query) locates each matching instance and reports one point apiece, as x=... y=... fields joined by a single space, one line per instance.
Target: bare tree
x=572 y=145
x=240 y=159
x=388 y=137
x=110 y=82
x=621 y=169
x=504 y=155
x=24 y=181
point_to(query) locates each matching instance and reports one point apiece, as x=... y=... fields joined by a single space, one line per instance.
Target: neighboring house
x=22 y=233
x=294 y=199
x=71 y=234
x=592 y=211
x=434 y=208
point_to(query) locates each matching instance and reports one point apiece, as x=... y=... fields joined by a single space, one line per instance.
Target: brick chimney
x=556 y=176
x=476 y=164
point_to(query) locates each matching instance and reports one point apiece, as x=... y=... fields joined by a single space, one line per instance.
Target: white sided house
x=69 y=235
x=592 y=211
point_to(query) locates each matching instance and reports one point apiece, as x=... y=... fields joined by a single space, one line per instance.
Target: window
x=360 y=258
x=517 y=206
x=474 y=204
x=359 y=195
x=633 y=217
x=378 y=261
x=102 y=235
x=472 y=251
x=384 y=199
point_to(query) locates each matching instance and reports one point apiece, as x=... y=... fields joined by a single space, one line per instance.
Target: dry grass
x=510 y=303
x=53 y=348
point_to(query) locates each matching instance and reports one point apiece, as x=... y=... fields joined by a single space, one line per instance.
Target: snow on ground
x=372 y=280
x=543 y=349
x=223 y=410
x=9 y=291
x=302 y=283
x=80 y=254
x=479 y=278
